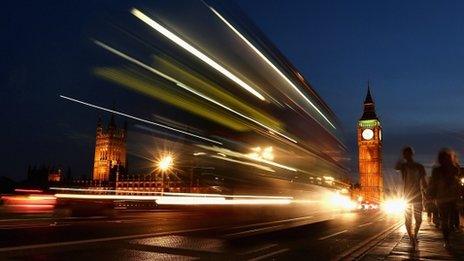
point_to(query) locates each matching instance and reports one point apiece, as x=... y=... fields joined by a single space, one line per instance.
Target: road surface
x=182 y=234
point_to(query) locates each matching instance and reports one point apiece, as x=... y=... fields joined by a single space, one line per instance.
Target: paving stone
x=397 y=246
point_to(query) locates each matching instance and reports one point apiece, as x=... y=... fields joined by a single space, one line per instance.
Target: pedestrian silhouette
x=431 y=209
x=444 y=190
x=413 y=176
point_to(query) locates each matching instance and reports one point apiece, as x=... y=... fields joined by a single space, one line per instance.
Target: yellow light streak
x=186 y=75
x=245 y=156
x=168 y=34
x=189 y=89
x=245 y=163
x=270 y=64
x=150 y=88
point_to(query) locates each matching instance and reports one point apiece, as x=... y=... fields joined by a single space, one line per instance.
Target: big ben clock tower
x=370 y=152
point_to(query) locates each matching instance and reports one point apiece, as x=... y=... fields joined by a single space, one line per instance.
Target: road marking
x=21 y=226
x=98 y=240
x=251 y=231
x=49 y=218
x=126 y=221
x=259 y=249
x=363 y=246
x=24 y=219
x=269 y=254
x=272 y=222
x=334 y=234
x=91 y=217
x=365 y=224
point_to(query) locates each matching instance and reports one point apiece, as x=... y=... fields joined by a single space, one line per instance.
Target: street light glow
x=259 y=153
x=165 y=163
x=394 y=206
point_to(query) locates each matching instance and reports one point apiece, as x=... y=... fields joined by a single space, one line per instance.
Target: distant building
x=110 y=170
x=110 y=151
x=55 y=176
x=370 y=152
x=44 y=176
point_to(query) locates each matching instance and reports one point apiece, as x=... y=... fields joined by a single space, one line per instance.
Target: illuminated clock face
x=367 y=134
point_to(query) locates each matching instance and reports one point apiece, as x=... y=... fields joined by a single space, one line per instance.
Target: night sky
x=411 y=51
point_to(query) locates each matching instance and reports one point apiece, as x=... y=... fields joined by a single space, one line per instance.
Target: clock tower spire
x=370 y=152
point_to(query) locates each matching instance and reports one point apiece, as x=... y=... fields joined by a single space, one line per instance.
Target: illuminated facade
x=370 y=152
x=110 y=150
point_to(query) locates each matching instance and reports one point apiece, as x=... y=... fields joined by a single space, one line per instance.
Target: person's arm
x=423 y=181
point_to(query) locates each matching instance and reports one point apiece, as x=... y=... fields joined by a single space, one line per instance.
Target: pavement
x=396 y=246
x=242 y=235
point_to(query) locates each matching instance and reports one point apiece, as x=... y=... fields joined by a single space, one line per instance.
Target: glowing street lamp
x=165 y=163
x=395 y=206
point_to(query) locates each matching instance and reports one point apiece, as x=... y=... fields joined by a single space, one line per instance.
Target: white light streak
x=139 y=119
x=269 y=63
x=245 y=156
x=187 y=88
x=168 y=34
x=245 y=163
x=171 y=193
x=184 y=200
x=118 y=197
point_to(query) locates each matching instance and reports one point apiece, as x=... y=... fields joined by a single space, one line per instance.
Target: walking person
x=455 y=213
x=431 y=209
x=444 y=190
x=413 y=176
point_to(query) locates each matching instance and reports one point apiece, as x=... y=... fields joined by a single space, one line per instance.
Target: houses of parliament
x=110 y=169
x=110 y=150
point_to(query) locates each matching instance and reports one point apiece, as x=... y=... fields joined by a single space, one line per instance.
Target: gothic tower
x=370 y=152
x=110 y=150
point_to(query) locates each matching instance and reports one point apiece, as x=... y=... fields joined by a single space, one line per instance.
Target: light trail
x=168 y=34
x=182 y=200
x=244 y=163
x=173 y=193
x=245 y=156
x=138 y=119
x=187 y=88
x=28 y=190
x=260 y=54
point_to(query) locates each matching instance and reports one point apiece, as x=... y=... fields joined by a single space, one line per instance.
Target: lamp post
x=165 y=164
